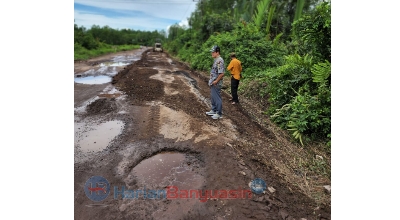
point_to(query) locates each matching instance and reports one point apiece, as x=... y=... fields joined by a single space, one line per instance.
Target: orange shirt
x=235 y=67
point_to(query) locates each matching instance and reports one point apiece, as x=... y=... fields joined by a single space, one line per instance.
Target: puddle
x=170 y=169
x=93 y=79
x=167 y=168
x=97 y=138
x=127 y=59
x=180 y=170
x=113 y=64
x=154 y=169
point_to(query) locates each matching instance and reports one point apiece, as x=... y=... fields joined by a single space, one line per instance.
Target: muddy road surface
x=145 y=149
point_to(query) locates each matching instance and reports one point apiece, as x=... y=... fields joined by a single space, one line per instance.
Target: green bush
x=284 y=81
x=251 y=47
x=300 y=90
x=291 y=79
x=300 y=97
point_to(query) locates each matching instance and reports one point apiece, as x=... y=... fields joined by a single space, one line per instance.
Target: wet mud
x=160 y=153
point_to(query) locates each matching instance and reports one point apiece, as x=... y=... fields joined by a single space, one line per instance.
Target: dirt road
x=142 y=138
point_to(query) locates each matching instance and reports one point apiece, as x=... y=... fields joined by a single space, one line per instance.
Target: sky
x=144 y=15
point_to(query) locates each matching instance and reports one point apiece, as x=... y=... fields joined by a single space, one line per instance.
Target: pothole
x=168 y=169
x=165 y=170
x=154 y=169
x=174 y=170
x=93 y=79
x=97 y=137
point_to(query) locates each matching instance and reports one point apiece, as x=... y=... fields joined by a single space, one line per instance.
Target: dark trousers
x=234 y=89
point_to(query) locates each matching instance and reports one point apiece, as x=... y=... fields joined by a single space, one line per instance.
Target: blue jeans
x=216 y=100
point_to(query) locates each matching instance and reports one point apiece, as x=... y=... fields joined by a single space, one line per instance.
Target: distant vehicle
x=157 y=47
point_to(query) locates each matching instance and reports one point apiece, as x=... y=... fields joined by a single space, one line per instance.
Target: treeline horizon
x=92 y=37
x=97 y=40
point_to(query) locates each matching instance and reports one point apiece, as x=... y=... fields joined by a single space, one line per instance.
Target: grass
x=81 y=53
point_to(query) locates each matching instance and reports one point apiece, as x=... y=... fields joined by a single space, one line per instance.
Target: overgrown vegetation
x=285 y=50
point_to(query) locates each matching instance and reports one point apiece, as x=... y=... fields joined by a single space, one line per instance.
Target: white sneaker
x=211 y=113
x=216 y=116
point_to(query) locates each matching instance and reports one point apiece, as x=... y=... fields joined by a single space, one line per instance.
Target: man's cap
x=233 y=54
x=215 y=49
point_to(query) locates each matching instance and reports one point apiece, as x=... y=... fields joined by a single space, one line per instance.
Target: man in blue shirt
x=215 y=83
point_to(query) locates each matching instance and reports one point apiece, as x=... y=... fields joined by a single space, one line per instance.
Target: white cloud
x=184 y=23
x=138 y=14
x=142 y=23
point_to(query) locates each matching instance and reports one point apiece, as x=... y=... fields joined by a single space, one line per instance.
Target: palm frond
x=270 y=16
x=321 y=72
x=262 y=7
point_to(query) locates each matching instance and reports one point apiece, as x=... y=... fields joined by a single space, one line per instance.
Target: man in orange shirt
x=235 y=67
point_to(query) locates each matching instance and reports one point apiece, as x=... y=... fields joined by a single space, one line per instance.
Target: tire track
x=153 y=125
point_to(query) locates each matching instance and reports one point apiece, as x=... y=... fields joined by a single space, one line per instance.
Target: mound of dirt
x=101 y=106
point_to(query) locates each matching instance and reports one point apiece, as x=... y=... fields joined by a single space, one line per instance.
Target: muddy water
x=93 y=79
x=114 y=64
x=154 y=169
x=102 y=72
x=97 y=137
x=129 y=58
x=170 y=169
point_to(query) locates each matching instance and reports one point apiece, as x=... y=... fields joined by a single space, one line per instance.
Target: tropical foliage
x=285 y=50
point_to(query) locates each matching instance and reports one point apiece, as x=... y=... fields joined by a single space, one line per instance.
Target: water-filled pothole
x=93 y=79
x=155 y=168
x=169 y=169
x=97 y=138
